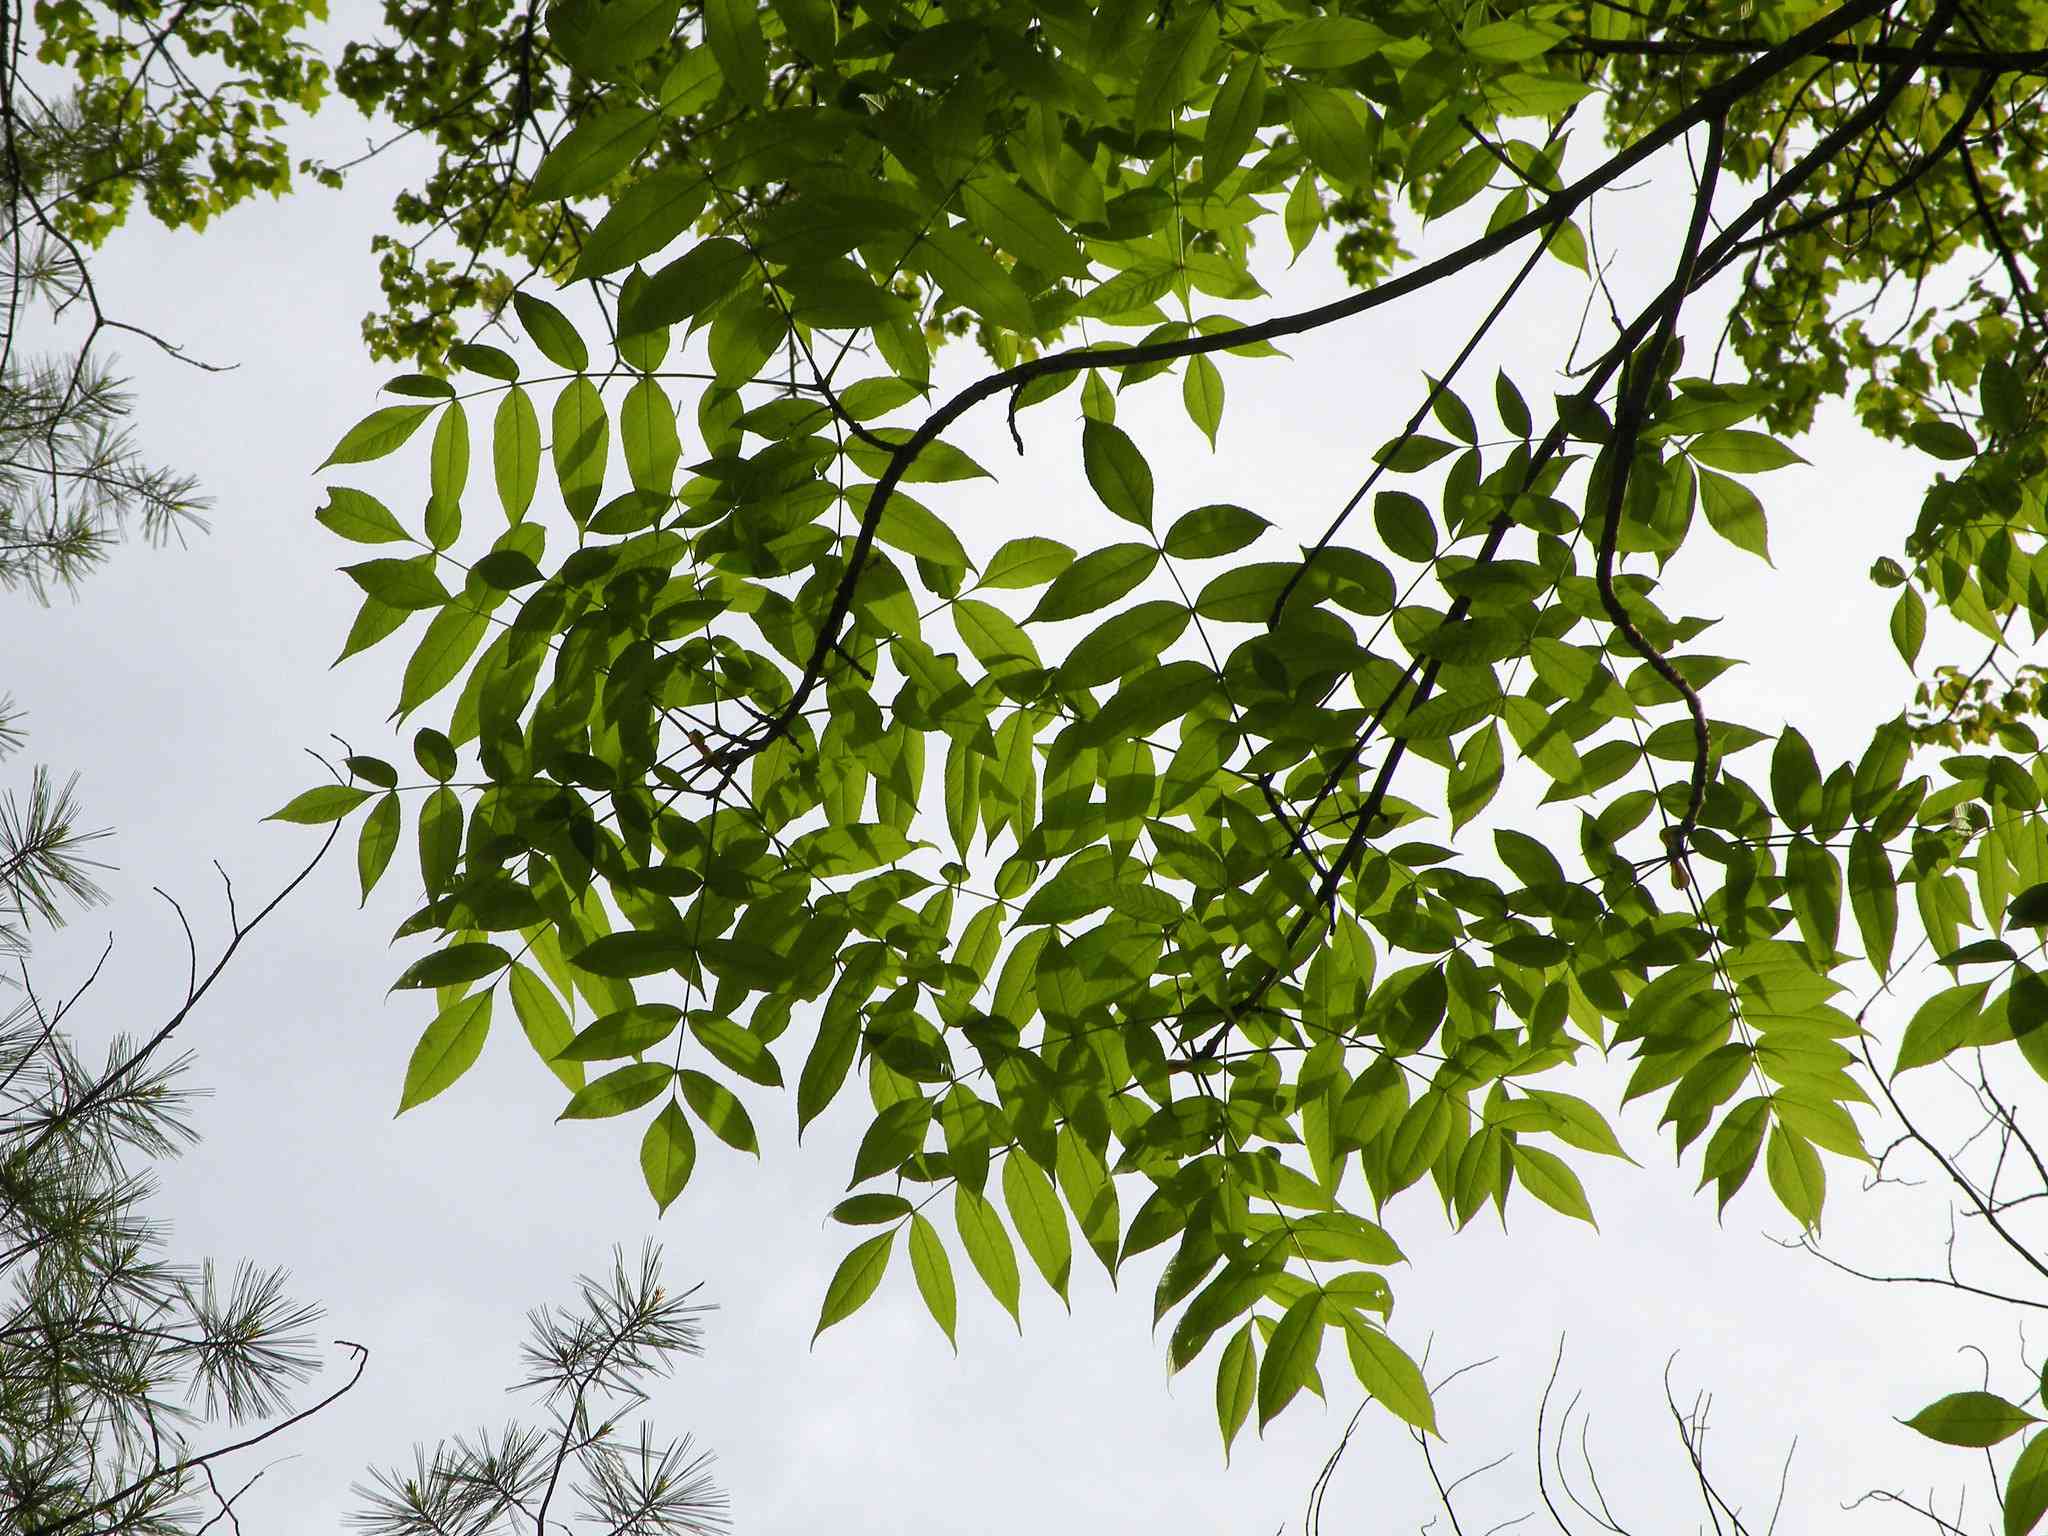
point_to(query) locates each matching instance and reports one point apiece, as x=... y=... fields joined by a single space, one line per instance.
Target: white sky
x=184 y=684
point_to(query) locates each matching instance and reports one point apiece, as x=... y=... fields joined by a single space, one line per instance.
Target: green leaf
x=421 y=386
x=1734 y=512
x=1291 y=1356
x=1091 y=1195
x=690 y=285
x=916 y=530
x=1384 y=1370
x=1303 y=215
x=626 y=1032
x=1512 y=408
x=1510 y=42
x=647 y=433
x=736 y=1047
x=1094 y=581
x=1234 y=119
x=440 y=839
x=936 y=462
x=1325 y=42
x=1731 y=1151
x=515 y=453
x=1330 y=129
x=2029 y=909
x=1741 y=452
x=2002 y=390
x=1942 y=439
x=444 y=650
x=1173 y=68
x=448 y=1049
x=593 y=152
x=451 y=966
x=374 y=846
x=873 y=1210
x=652 y=213
x=1568 y=245
x=1208 y=532
x=971 y=277
x=381 y=432
x=606 y=38
x=1814 y=883
x=825 y=1068
x=1201 y=392
x=372 y=770
x=360 y=517
x=507 y=570
x=859 y=1273
x=329 y=802
x=1909 y=626
x=435 y=754
x=988 y=1247
x=582 y=438
x=405 y=584
x=851 y=850
x=1029 y=561
x=1123 y=642
x=1795 y=780
x=1946 y=1022
x=733 y=30
x=546 y=1024
x=1017 y=222
x=1236 y=1384
x=668 y=1152
x=1796 y=1175
x=635 y=953
x=934 y=1273
x=1040 y=1219
x=1117 y=471
x=812 y=27
x=721 y=1111
x=1475 y=776
x=551 y=331
x=619 y=1090
x=1405 y=526
x=2026 y=1488
x=491 y=362
x=1873 y=897
x=1971 y=1419
x=1550 y=1179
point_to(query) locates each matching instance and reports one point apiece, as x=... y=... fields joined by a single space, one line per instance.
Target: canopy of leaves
x=1136 y=934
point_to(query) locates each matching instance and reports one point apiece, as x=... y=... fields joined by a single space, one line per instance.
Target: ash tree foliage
x=1132 y=896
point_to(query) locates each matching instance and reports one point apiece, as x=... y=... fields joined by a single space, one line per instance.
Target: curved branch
x=1638 y=378
x=1708 y=106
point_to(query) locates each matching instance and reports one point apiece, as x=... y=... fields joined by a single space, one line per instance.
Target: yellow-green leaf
x=934 y=1273
x=448 y=1049
x=859 y=1273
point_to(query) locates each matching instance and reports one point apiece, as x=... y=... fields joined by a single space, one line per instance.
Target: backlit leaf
x=988 y=1247
x=1973 y=1419
x=933 y=1270
x=668 y=1153
x=859 y=1273
x=448 y=1049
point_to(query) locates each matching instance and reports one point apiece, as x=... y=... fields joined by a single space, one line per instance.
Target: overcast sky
x=184 y=684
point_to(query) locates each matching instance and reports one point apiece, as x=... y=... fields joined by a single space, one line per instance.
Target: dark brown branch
x=2022 y=291
x=362 y=1358
x=1706 y=107
x=2019 y=61
x=1810 y=165
x=194 y=992
x=1638 y=378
